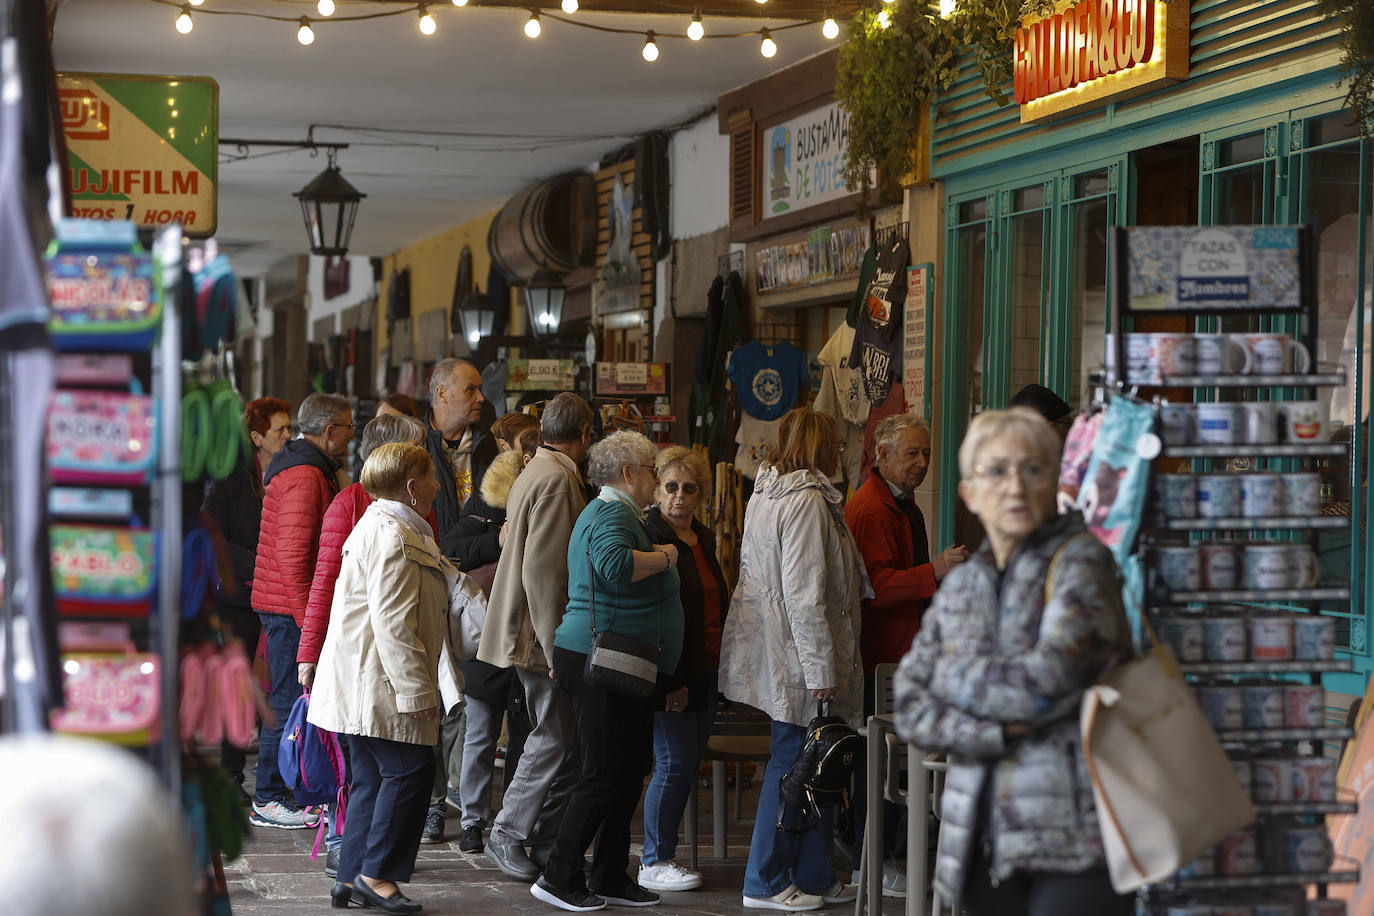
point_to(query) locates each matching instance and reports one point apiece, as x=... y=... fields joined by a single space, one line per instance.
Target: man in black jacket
x=462 y=452
x=461 y=449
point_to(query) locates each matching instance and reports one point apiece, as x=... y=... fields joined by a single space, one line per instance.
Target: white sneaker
x=839 y=892
x=790 y=900
x=668 y=876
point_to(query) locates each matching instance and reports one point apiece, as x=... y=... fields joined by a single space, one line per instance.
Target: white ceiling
x=547 y=105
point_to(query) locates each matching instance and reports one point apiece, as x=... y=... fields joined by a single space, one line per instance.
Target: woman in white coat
x=377 y=676
x=791 y=640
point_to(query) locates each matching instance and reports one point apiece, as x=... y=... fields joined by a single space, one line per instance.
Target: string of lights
x=533 y=26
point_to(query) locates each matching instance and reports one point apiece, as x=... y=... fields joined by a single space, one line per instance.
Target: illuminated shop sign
x=1095 y=50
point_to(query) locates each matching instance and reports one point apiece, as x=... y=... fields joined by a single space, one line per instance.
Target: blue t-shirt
x=768 y=379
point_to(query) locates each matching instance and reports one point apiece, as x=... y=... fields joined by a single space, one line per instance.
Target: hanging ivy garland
x=1357 y=63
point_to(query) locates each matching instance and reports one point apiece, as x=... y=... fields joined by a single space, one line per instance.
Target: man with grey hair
x=301 y=480
x=528 y=598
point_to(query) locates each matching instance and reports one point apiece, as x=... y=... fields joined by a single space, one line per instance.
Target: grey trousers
x=448 y=757
x=479 y=755
x=535 y=799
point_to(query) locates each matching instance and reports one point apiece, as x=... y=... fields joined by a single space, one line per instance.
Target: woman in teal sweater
x=635 y=586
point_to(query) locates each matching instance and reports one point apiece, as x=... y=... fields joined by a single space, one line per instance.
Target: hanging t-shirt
x=767 y=379
x=876 y=337
x=754 y=438
x=841 y=398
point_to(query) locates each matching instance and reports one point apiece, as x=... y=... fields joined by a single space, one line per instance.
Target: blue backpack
x=311 y=760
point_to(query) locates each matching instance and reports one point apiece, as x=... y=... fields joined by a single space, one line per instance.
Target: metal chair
x=740 y=735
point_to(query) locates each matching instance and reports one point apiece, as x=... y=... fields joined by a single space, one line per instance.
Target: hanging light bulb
x=460 y=2
x=196 y=2
x=427 y=24
x=650 y=52
x=532 y=26
x=830 y=28
x=325 y=7
x=767 y=47
x=305 y=34
x=184 y=23
x=570 y=6
x=696 y=30
x=883 y=19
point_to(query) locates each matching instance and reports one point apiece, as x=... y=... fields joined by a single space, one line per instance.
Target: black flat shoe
x=397 y=903
x=340 y=895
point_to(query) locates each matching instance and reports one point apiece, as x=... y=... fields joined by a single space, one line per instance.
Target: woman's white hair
x=1017 y=422
x=89 y=829
x=609 y=456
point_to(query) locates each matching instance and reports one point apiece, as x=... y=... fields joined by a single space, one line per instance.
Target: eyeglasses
x=688 y=488
x=1031 y=473
x=345 y=425
x=650 y=468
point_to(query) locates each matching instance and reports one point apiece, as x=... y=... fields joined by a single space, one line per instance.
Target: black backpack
x=821 y=773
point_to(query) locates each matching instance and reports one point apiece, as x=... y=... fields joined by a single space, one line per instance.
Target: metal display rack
x=1180 y=891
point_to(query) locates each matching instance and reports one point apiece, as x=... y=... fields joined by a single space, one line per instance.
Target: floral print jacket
x=992 y=653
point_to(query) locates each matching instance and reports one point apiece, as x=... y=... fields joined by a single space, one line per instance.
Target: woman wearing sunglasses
x=681 y=730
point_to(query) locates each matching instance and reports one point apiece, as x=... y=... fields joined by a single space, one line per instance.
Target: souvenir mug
x=1175 y=495
x=1264 y=705
x=1304 y=570
x=1218 y=495
x=1220 y=354
x=1184 y=637
x=1271 y=779
x=1271 y=638
x=1304 y=849
x=1242 y=771
x=1150 y=357
x=1314 y=637
x=1237 y=854
x=1314 y=779
x=1261 y=495
x=1274 y=354
x=1178 y=423
x=1218 y=423
x=1265 y=566
x=1302 y=421
x=1223 y=706
x=1260 y=422
x=1224 y=639
x=1179 y=569
x=1304 y=706
x=1302 y=493
x=1219 y=565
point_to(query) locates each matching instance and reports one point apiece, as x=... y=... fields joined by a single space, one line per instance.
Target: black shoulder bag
x=624 y=667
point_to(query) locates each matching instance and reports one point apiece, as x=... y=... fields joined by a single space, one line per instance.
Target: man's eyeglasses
x=650 y=468
x=688 y=488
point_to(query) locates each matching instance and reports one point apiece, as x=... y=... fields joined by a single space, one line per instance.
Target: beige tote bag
x=1164 y=788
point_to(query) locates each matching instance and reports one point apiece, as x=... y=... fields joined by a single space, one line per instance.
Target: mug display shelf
x=1272 y=735
x=1277 y=522
x=1226 y=596
x=1237 y=882
x=1289 y=809
x=1292 y=666
x=1249 y=449
x=1286 y=380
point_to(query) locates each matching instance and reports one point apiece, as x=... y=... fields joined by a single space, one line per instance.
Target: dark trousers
x=616 y=736
x=386 y=808
x=245 y=626
x=1041 y=893
x=283 y=639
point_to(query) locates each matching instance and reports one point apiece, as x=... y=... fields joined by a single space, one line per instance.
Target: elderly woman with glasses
x=683 y=726
x=616 y=571
x=994 y=679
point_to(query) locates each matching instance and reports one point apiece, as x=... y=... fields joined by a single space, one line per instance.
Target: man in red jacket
x=301 y=481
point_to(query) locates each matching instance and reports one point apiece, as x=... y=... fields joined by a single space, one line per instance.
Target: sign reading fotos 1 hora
x=142 y=148
x=1091 y=51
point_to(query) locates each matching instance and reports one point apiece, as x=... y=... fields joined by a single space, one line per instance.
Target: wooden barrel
x=548 y=228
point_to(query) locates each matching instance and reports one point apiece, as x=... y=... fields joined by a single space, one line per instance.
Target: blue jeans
x=679 y=741
x=778 y=858
x=283 y=639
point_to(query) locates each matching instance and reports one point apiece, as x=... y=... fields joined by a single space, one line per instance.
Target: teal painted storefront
x=1255 y=134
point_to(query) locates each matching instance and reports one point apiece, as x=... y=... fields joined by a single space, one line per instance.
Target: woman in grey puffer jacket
x=995 y=677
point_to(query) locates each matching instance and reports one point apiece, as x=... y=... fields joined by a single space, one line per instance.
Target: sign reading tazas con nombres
x=142 y=148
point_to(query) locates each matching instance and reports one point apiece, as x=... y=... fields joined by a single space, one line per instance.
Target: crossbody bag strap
x=591 y=591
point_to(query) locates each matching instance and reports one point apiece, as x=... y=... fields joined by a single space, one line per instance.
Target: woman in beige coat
x=376 y=680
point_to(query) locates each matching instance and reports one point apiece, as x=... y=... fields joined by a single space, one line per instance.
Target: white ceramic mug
x=1219 y=565
x=1265 y=566
x=1218 y=495
x=1274 y=354
x=1303 y=421
x=1151 y=356
x=1220 y=354
x=1178 y=423
x=1179 y=568
x=1261 y=495
x=1302 y=492
x=1175 y=495
x=1260 y=422
x=1218 y=423
x=1304 y=570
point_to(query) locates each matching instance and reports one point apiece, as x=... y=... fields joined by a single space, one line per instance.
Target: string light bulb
x=696 y=31
x=325 y=7
x=570 y=6
x=196 y=2
x=883 y=19
x=767 y=46
x=460 y=3
x=650 y=52
x=532 y=26
x=427 y=24
x=184 y=23
x=305 y=34
x=830 y=28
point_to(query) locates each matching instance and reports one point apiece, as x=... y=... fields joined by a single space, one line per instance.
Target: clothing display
x=768 y=379
x=877 y=339
x=754 y=438
x=841 y=397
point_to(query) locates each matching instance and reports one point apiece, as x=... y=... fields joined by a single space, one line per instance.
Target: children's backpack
x=821 y=773
x=311 y=761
